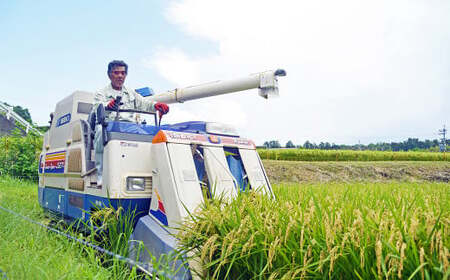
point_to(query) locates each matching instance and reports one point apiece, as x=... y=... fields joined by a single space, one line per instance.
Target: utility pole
x=444 y=142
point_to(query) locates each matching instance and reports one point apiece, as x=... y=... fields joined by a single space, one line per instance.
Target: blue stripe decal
x=41 y=164
x=160 y=216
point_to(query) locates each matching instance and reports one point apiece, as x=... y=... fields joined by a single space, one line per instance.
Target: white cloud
x=174 y=65
x=369 y=70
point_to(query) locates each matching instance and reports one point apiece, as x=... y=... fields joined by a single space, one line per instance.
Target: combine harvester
x=164 y=172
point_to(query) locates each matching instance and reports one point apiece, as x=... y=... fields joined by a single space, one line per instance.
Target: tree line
x=412 y=144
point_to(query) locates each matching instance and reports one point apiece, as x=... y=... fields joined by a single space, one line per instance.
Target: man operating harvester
x=116 y=95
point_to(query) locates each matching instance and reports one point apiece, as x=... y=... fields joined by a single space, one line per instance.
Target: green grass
x=28 y=251
x=349 y=155
x=338 y=230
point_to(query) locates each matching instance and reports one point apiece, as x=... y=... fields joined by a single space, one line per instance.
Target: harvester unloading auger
x=164 y=172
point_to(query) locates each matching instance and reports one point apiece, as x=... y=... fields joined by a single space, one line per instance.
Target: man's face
x=117 y=77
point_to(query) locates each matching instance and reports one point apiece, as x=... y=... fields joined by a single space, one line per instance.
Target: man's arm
x=105 y=98
x=150 y=106
x=100 y=98
x=142 y=104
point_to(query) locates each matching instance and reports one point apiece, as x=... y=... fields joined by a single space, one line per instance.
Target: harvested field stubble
x=342 y=231
x=381 y=171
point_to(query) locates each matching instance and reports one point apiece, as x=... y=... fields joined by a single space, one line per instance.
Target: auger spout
x=266 y=82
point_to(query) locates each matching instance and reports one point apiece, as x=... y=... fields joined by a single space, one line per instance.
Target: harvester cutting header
x=98 y=154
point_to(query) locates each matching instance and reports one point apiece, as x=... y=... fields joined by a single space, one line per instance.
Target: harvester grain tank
x=164 y=172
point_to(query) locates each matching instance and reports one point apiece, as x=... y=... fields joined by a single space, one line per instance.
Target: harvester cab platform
x=163 y=172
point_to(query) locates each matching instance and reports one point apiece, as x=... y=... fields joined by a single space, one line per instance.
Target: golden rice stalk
x=446 y=257
x=392 y=265
x=322 y=260
x=273 y=276
x=333 y=257
x=440 y=246
x=421 y=257
x=301 y=237
x=272 y=250
x=361 y=257
x=443 y=252
x=413 y=227
x=378 y=253
x=288 y=230
x=391 y=237
x=344 y=240
x=209 y=247
x=328 y=233
x=248 y=245
x=306 y=260
x=433 y=241
x=402 y=259
x=120 y=209
x=230 y=245
x=338 y=222
x=292 y=274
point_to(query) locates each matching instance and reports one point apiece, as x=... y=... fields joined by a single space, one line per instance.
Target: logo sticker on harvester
x=214 y=139
x=126 y=144
x=54 y=162
x=63 y=120
x=159 y=213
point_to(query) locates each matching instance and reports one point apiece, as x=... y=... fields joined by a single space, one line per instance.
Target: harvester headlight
x=135 y=183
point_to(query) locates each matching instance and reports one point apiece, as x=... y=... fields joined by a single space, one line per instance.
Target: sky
x=357 y=71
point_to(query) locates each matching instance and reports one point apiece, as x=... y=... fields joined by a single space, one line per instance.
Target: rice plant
x=349 y=155
x=111 y=228
x=336 y=231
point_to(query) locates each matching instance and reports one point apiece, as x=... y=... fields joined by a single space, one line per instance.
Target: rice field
x=339 y=230
x=349 y=155
x=336 y=231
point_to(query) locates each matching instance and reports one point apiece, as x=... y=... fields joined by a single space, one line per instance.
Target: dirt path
x=300 y=171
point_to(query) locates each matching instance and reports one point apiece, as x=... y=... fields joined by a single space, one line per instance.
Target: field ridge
x=304 y=172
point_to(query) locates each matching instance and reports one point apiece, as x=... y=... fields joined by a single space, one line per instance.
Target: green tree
x=289 y=144
x=272 y=144
x=23 y=112
x=20 y=155
x=308 y=145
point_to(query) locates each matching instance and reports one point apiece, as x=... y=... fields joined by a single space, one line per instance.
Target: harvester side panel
x=68 y=110
x=255 y=171
x=187 y=185
x=57 y=182
x=164 y=206
x=219 y=175
x=124 y=159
